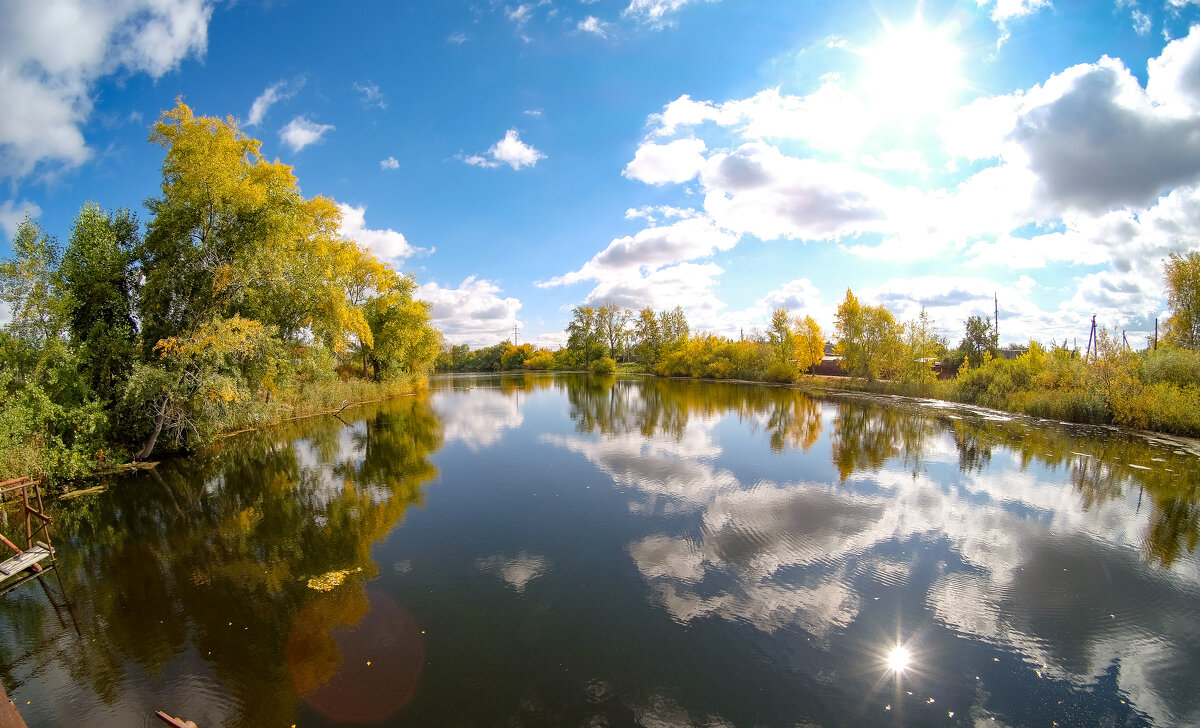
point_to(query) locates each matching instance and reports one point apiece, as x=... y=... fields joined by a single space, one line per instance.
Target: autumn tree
x=868 y=339
x=779 y=333
x=809 y=347
x=1182 y=273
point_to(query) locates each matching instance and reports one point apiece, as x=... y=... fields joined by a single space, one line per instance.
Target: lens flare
x=898 y=659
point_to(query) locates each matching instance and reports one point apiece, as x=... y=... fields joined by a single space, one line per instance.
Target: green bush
x=781 y=372
x=603 y=365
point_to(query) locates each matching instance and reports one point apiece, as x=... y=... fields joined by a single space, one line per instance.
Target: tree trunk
x=159 y=419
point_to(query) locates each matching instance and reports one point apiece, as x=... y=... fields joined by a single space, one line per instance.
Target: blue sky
x=728 y=156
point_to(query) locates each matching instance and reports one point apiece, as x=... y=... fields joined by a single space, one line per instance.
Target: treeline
x=238 y=304
x=1157 y=388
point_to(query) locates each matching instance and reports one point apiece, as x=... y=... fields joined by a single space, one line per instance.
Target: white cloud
x=1174 y=76
x=1003 y=10
x=831 y=118
x=657 y=164
x=388 y=245
x=655 y=13
x=759 y=190
x=1141 y=22
x=473 y=313
x=300 y=132
x=649 y=250
x=1091 y=138
x=389 y=163
x=457 y=38
x=12 y=214
x=52 y=54
x=510 y=150
x=279 y=91
x=535 y=113
x=592 y=24
x=371 y=95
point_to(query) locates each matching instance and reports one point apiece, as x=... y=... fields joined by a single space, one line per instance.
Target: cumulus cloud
x=657 y=164
x=759 y=190
x=510 y=150
x=651 y=249
x=830 y=118
x=473 y=313
x=1091 y=137
x=387 y=245
x=300 y=132
x=53 y=53
x=389 y=163
x=12 y=214
x=276 y=92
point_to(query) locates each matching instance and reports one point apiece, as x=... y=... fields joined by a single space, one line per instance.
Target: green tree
x=583 y=335
x=979 y=339
x=612 y=327
x=99 y=281
x=27 y=287
x=783 y=341
x=1183 y=296
x=648 y=336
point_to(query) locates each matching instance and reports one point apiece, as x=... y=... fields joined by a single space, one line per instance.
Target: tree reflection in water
x=212 y=555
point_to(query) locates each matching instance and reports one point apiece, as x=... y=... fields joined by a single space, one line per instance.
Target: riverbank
x=38 y=458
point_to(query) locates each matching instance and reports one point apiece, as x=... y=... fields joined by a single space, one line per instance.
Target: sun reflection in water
x=898 y=659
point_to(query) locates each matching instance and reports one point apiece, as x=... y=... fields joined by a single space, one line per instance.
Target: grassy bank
x=27 y=448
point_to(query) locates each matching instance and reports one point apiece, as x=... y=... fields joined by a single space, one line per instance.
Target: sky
x=727 y=156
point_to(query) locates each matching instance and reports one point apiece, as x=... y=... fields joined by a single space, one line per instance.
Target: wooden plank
x=22 y=561
x=9 y=717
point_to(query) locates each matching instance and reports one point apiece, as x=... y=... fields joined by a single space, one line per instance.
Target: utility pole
x=1156 y=334
x=996 y=319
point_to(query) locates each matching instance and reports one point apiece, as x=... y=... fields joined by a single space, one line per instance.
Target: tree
x=583 y=334
x=648 y=335
x=27 y=287
x=783 y=341
x=809 y=343
x=402 y=340
x=978 y=339
x=612 y=327
x=921 y=350
x=868 y=339
x=99 y=281
x=673 y=328
x=1182 y=273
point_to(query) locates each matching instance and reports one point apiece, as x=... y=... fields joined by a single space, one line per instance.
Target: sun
x=912 y=71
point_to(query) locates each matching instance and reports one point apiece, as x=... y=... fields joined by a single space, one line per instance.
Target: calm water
x=586 y=552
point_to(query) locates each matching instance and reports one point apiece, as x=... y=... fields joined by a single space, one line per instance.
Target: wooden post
x=1156 y=334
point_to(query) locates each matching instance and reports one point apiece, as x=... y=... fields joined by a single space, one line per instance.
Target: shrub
x=781 y=372
x=603 y=365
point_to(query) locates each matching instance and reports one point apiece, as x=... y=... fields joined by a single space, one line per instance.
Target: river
x=599 y=551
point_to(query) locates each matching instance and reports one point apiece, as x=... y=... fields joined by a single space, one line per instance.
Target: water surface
x=575 y=551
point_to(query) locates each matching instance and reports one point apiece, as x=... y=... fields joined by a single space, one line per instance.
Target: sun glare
x=912 y=71
x=898 y=659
